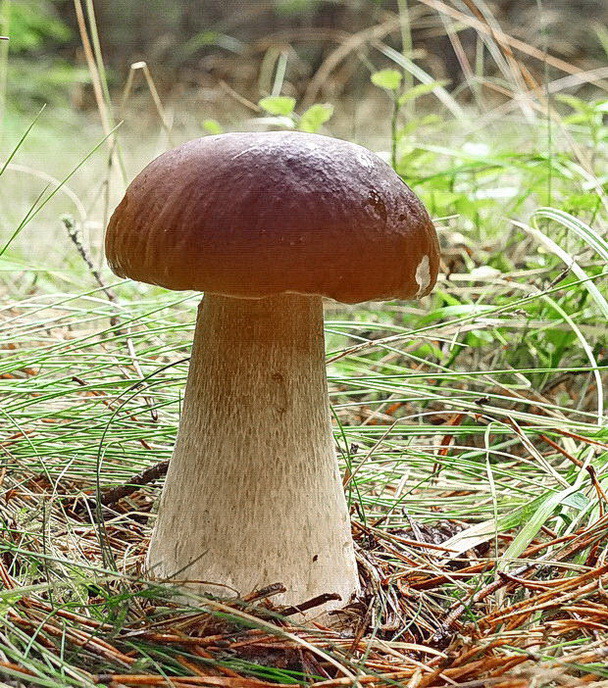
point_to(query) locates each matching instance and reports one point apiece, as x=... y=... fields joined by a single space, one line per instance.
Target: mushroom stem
x=253 y=494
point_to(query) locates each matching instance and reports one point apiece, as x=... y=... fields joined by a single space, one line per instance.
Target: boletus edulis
x=266 y=225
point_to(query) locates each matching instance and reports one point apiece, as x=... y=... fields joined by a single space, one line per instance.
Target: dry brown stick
x=518 y=69
x=112 y=495
x=480 y=683
x=478 y=667
x=540 y=598
x=344 y=681
x=74 y=234
x=587 y=440
x=509 y=40
x=64 y=613
x=152 y=680
x=264 y=593
x=512 y=615
x=310 y=604
x=546 y=599
x=7 y=580
x=172 y=638
x=80 y=638
x=451 y=619
x=148 y=475
x=11 y=665
x=93 y=68
x=529 y=584
x=433 y=582
x=508 y=664
x=350 y=44
x=475 y=650
x=142 y=66
x=384 y=535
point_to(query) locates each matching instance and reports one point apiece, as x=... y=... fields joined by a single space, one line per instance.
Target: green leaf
x=532 y=515
x=212 y=126
x=315 y=117
x=535 y=522
x=34 y=25
x=420 y=90
x=278 y=105
x=390 y=79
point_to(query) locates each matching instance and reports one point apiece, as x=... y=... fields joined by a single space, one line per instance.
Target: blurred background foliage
x=198 y=44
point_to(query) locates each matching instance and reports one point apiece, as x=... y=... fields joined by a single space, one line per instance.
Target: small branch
x=113 y=495
x=451 y=620
x=264 y=593
x=148 y=475
x=76 y=237
x=310 y=604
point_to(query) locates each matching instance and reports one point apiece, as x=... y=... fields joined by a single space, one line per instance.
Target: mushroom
x=266 y=224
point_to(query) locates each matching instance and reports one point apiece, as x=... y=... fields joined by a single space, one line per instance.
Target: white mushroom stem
x=253 y=495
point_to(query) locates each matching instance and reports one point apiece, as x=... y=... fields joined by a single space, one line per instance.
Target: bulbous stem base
x=253 y=494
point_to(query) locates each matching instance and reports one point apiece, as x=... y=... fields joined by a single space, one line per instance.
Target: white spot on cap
x=423 y=275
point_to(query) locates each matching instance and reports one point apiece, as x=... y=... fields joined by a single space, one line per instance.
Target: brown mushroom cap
x=251 y=215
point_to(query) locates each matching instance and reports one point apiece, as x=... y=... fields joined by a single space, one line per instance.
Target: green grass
x=480 y=411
